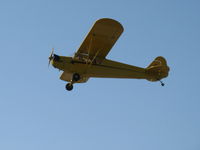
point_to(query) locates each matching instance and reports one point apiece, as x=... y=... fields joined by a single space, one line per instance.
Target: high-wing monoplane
x=90 y=59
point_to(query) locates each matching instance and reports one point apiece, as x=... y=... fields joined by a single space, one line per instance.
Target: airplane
x=90 y=59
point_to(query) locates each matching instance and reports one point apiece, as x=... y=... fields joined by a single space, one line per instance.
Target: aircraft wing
x=100 y=39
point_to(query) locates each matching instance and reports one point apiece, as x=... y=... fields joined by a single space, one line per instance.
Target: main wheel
x=76 y=77
x=69 y=86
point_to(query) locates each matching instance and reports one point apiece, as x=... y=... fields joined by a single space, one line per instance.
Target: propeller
x=51 y=56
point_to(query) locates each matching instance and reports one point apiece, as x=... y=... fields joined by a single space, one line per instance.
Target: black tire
x=69 y=87
x=76 y=77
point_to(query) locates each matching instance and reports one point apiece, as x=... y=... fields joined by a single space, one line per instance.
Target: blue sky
x=36 y=112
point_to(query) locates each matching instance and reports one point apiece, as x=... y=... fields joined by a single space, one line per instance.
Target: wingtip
x=110 y=21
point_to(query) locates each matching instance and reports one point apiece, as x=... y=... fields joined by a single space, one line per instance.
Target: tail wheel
x=76 y=77
x=163 y=84
x=69 y=86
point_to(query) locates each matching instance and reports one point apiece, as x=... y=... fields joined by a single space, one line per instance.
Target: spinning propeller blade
x=51 y=56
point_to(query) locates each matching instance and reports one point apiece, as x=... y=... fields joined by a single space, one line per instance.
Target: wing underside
x=100 y=39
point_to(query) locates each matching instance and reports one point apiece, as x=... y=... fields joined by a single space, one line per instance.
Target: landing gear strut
x=69 y=86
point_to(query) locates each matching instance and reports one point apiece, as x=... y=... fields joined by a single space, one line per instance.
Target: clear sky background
x=37 y=113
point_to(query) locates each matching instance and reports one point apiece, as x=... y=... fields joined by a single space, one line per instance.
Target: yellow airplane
x=90 y=59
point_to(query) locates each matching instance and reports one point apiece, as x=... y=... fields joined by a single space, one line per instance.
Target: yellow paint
x=89 y=61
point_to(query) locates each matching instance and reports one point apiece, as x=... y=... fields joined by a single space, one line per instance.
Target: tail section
x=158 y=69
x=158 y=61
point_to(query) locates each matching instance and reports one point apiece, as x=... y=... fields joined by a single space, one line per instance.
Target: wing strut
x=89 y=63
x=90 y=46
